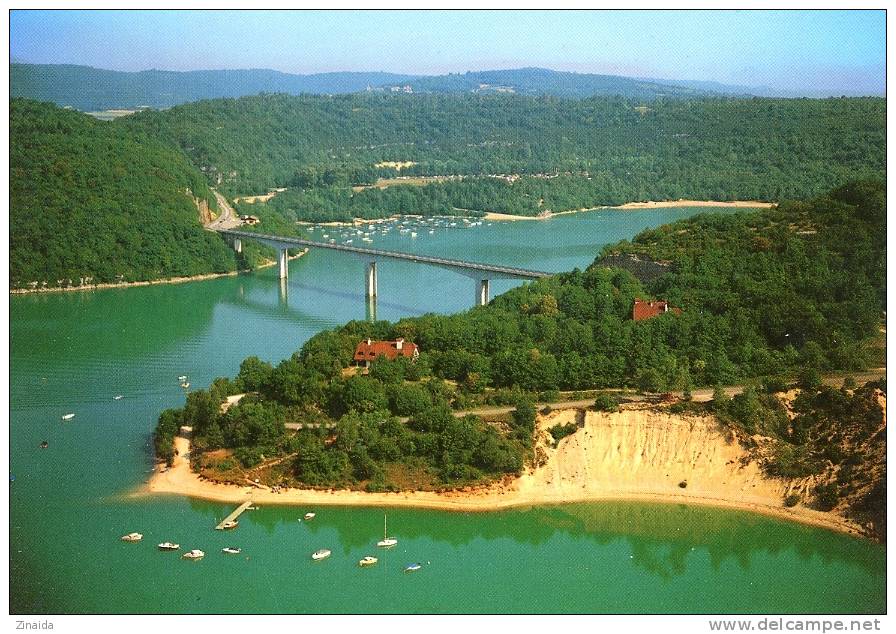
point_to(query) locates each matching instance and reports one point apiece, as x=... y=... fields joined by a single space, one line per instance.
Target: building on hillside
x=249 y=220
x=645 y=309
x=368 y=350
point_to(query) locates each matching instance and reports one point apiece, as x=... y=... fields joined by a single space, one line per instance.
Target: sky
x=790 y=52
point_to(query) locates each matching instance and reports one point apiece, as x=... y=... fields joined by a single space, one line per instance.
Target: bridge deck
x=507 y=271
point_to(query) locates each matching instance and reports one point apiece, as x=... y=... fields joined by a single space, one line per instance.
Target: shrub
x=606 y=403
x=826 y=496
x=792 y=500
x=559 y=431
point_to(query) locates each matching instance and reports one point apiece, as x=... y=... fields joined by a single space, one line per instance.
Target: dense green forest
x=570 y=153
x=92 y=203
x=784 y=291
x=109 y=201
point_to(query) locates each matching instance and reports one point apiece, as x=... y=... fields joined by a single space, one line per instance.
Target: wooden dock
x=239 y=511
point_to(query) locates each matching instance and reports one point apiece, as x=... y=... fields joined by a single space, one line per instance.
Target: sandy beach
x=660 y=204
x=651 y=204
x=636 y=454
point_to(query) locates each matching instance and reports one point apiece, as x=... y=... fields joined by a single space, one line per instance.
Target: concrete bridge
x=481 y=274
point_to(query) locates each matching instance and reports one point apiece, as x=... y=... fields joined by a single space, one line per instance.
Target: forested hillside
x=764 y=296
x=87 y=88
x=91 y=202
x=555 y=154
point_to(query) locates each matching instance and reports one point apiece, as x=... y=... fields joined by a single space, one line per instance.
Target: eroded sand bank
x=637 y=454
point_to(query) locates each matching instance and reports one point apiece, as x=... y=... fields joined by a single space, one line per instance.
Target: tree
x=253 y=374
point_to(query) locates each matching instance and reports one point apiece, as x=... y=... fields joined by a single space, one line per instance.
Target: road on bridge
x=493 y=270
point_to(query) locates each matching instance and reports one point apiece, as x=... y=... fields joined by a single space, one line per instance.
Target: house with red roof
x=368 y=350
x=647 y=309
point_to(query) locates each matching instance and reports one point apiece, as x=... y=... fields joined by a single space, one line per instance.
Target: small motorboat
x=185 y=385
x=413 y=567
x=323 y=553
x=182 y=377
x=368 y=561
x=193 y=554
x=309 y=516
x=44 y=444
x=132 y=537
x=169 y=546
x=231 y=550
x=118 y=397
x=68 y=416
x=228 y=525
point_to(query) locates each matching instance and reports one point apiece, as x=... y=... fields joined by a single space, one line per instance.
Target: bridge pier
x=238 y=245
x=370 y=309
x=284 y=264
x=370 y=278
x=482 y=292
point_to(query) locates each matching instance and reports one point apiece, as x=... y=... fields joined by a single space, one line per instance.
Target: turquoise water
x=72 y=352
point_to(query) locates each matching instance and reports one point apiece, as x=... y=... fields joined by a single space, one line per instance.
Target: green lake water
x=72 y=352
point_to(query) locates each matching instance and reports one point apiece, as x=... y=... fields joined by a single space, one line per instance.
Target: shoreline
x=660 y=204
x=577 y=471
x=168 y=280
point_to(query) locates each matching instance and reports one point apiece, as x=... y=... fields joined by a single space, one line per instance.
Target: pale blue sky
x=802 y=51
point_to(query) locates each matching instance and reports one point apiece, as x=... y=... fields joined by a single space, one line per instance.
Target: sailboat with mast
x=386 y=541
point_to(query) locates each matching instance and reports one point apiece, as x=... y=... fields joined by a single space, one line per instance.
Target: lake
x=73 y=352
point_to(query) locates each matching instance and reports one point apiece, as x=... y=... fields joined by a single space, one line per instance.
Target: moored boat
x=68 y=416
x=118 y=397
x=310 y=516
x=169 y=546
x=413 y=567
x=323 y=553
x=368 y=561
x=132 y=537
x=193 y=554
x=228 y=525
x=231 y=550
x=386 y=542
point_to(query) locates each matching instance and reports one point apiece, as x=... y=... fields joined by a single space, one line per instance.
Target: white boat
x=185 y=385
x=68 y=416
x=132 y=537
x=169 y=546
x=386 y=542
x=228 y=525
x=118 y=397
x=193 y=554
x=231 y=550
x=309 y=516
x=182 y=377
x=323 y=553
x=413 y=567
x=368 y=561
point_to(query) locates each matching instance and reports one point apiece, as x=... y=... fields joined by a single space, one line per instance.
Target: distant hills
x=91 y=89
